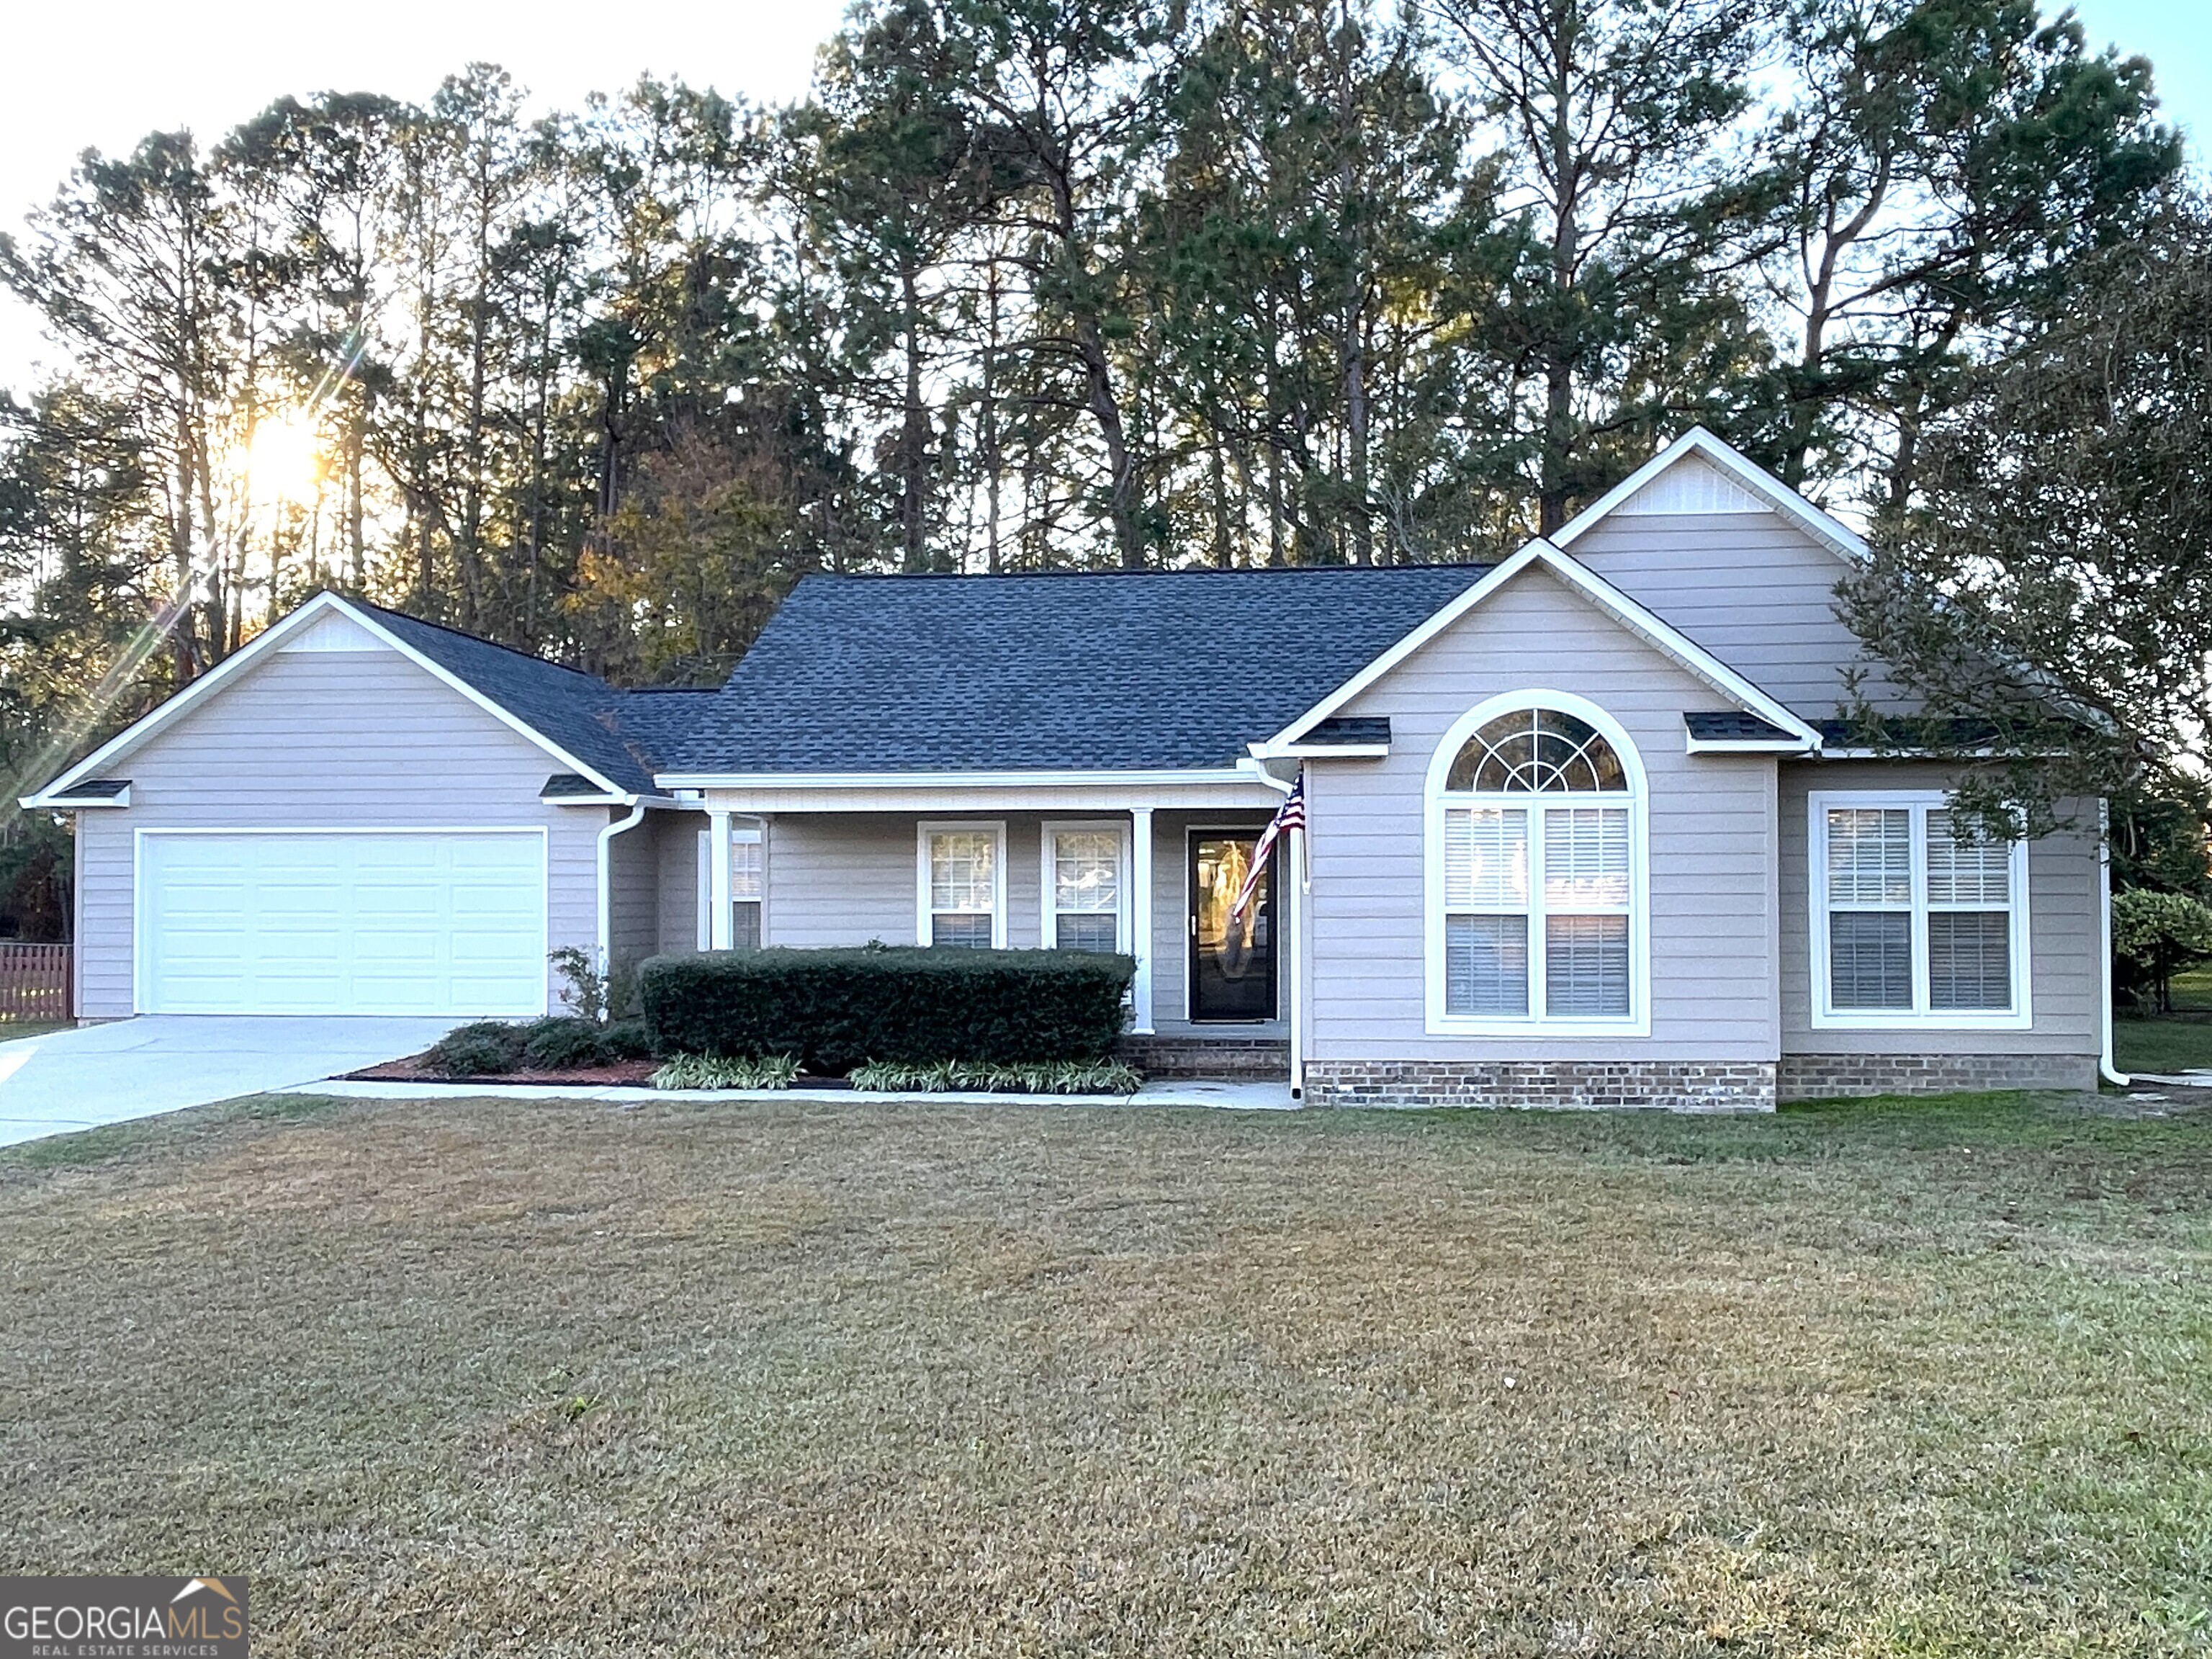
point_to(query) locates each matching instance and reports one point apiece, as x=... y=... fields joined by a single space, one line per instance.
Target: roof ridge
x=478 y=639
x=1182 y=570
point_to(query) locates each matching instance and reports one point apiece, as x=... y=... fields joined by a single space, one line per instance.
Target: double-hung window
x=748 y=884
x=1536 y=876
x=1914 y=924
x=1083 y=902
x=961 y=885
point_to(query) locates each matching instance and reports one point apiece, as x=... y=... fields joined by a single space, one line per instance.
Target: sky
x=80 y=75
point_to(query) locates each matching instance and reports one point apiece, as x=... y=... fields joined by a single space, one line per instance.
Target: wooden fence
x=36 y=982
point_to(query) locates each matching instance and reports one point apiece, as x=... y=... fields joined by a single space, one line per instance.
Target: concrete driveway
x=70 y=1080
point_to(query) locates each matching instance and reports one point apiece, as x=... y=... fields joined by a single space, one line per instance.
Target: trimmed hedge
x=838 y=1009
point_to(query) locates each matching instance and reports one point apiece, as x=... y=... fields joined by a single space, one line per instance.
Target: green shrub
x=627 y=1039
x=471 y=1053
x=565 y=1043
x=838 y=1009
x=707 y=1071
x=1039 y=1078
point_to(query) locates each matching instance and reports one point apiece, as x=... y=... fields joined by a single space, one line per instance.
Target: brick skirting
x=1833 y=1076
x=1241 y=1059
x=1680 y=1085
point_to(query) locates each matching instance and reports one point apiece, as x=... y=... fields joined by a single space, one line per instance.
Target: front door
x=1232 y=959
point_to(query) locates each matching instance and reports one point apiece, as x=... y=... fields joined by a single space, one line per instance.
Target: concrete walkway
x=1225 y=1096
x=70 y=1080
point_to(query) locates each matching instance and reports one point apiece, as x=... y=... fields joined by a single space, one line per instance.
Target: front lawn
x=2175 y=1044
x=497 y=1377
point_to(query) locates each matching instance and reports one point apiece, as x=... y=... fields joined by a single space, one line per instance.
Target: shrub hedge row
x=838 y=1009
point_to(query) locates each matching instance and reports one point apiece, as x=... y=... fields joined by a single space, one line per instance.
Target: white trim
x=1695 y=746
x=1159 y=778
x=1321 y=751
x=1636 y=800
x=1607 y=597
x=1048 y=910
x=703 y=878
x=1142 y=945
x=270 y=638
x=1837 y=537
x=2107 y=1066
x=719 y=919
x=50 y=801
x=139 y=834
x=2019 y=1017
x=1294 y=913
x=927 y=828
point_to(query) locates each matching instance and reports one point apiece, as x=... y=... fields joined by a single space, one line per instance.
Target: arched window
x=1536 y=863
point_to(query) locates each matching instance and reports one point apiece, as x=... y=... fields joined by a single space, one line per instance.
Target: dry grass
x=493 y=1377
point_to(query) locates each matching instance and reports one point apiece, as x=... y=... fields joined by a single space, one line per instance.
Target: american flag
x=1291 y=815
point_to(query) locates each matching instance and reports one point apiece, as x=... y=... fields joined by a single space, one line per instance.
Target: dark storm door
x=1232 y=959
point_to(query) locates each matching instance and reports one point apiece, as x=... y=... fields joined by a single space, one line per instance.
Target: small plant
x=586 y=991
x=712 y=1072
x=1067 y=1077
x=565 y=1043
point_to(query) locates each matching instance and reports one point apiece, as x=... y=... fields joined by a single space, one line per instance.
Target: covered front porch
x=1149 y=869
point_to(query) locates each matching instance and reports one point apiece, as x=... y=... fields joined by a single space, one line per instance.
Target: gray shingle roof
x=580 y=712
x=1733 y=725
x=1110 y=670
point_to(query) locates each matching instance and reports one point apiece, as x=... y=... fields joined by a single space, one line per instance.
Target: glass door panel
x=1232 y=959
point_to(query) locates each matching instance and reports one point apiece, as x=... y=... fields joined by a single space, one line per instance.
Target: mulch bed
x=412 y=1070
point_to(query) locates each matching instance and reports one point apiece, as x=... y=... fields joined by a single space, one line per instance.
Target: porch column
x=1140 y=917
x=1294 y=952
x=718 y=880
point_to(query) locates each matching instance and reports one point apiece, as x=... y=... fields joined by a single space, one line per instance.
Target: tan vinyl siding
x=322 y=740
x=2065 y=900
x=1751 y=588
x=633 y=883
x=846 y=879
x=677 y=849
x=1712 y=824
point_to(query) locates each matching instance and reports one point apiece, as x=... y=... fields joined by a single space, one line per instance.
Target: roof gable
x=561 y=710
x=1631 y=615
x=1698 y=467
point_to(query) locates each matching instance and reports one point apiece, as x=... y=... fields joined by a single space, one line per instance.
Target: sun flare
x=285 y=458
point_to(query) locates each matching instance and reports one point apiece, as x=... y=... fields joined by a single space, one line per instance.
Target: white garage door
x=299 y=923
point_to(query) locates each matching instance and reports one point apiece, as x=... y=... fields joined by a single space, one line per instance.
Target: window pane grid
x=1086 y=890
x=1919 y=922
x=963 y=867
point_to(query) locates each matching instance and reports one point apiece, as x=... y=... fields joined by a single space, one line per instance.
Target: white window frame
x=1636 y=799
x=2019 y=1017
x=1048 y=893
x=996 y=829
x=758 y=828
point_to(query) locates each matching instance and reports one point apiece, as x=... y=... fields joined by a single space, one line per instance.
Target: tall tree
x=1615 y=116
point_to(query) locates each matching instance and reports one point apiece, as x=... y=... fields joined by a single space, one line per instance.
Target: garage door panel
x=374 y=922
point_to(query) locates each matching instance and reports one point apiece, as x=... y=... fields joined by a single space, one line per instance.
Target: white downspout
x=2106 y=1068
x=614 y=827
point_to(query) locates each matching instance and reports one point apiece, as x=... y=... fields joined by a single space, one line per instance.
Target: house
x=1583 y=826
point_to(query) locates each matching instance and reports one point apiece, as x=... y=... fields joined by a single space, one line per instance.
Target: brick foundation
x=1243 y=1060
x=1679 y=1085
x=1833 y=1076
